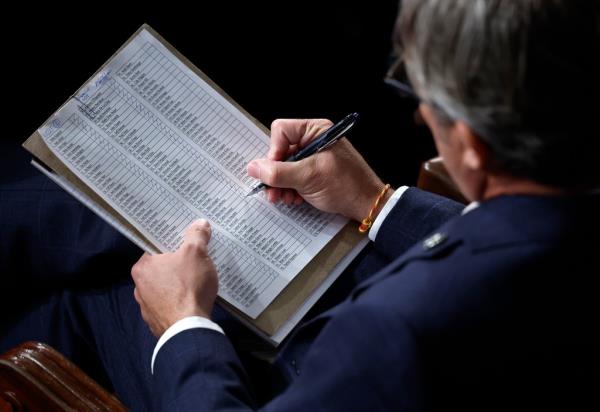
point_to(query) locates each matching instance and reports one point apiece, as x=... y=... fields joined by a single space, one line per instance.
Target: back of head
x=523 y=74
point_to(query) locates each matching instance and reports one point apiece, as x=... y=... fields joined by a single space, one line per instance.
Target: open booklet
x=151 y=144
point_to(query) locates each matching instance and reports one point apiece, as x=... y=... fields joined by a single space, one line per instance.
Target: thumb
x=290 y=175
x=198 y=234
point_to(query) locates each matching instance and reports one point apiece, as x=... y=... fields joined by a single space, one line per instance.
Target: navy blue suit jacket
x=500 y=312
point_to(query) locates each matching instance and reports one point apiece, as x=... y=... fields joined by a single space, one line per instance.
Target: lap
x=50 y=240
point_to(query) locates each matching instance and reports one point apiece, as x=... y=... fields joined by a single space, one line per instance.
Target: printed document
x=164 y=148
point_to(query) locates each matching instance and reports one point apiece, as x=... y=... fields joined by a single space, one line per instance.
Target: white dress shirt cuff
x=190 y=322
x=385 y=211
x=469 y=207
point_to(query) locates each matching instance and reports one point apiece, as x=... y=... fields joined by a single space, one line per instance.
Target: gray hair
x=519 y=73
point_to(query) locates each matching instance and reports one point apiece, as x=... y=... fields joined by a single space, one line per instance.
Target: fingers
x=293 y=132
x=288 y=197
x=278 y=174
x=197 y=236
x=287 y=136
x=274 y=194
x=285 y=133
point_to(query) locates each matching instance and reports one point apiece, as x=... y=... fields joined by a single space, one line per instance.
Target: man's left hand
x=172 y=286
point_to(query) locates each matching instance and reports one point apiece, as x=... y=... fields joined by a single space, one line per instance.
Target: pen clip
x=338 y=136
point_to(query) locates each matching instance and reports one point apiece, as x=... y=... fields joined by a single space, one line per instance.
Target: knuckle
x=276 y=124
x=323 y=123
x=136 y=295
x=136 y=271
x=188 y=248
x=202 y=248
x=194 y=248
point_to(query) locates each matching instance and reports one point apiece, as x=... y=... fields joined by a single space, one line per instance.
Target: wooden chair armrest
x=433 y=177
x=35 y=377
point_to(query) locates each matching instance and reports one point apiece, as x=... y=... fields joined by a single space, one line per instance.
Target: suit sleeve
x=198 y=370
x=348 y=369
x=417 y=214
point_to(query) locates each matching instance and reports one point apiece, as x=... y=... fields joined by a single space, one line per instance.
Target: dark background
x=287 y=59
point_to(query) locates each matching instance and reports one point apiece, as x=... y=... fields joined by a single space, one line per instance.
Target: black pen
x=322 y=142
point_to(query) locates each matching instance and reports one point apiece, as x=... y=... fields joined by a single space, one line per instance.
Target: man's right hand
x=336 y=180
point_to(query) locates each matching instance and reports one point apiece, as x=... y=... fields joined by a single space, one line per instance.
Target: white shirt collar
x=469 y=207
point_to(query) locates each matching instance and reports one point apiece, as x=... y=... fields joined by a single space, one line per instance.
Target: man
x=494 y=309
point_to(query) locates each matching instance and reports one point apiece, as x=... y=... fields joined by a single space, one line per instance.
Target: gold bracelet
x=366 y=223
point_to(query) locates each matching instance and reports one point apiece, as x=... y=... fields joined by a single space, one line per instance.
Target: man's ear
x=475 y=154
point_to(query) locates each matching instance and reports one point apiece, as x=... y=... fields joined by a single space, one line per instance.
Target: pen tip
x=256 y=189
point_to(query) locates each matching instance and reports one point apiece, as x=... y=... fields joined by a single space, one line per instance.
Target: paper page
x=164 y=149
